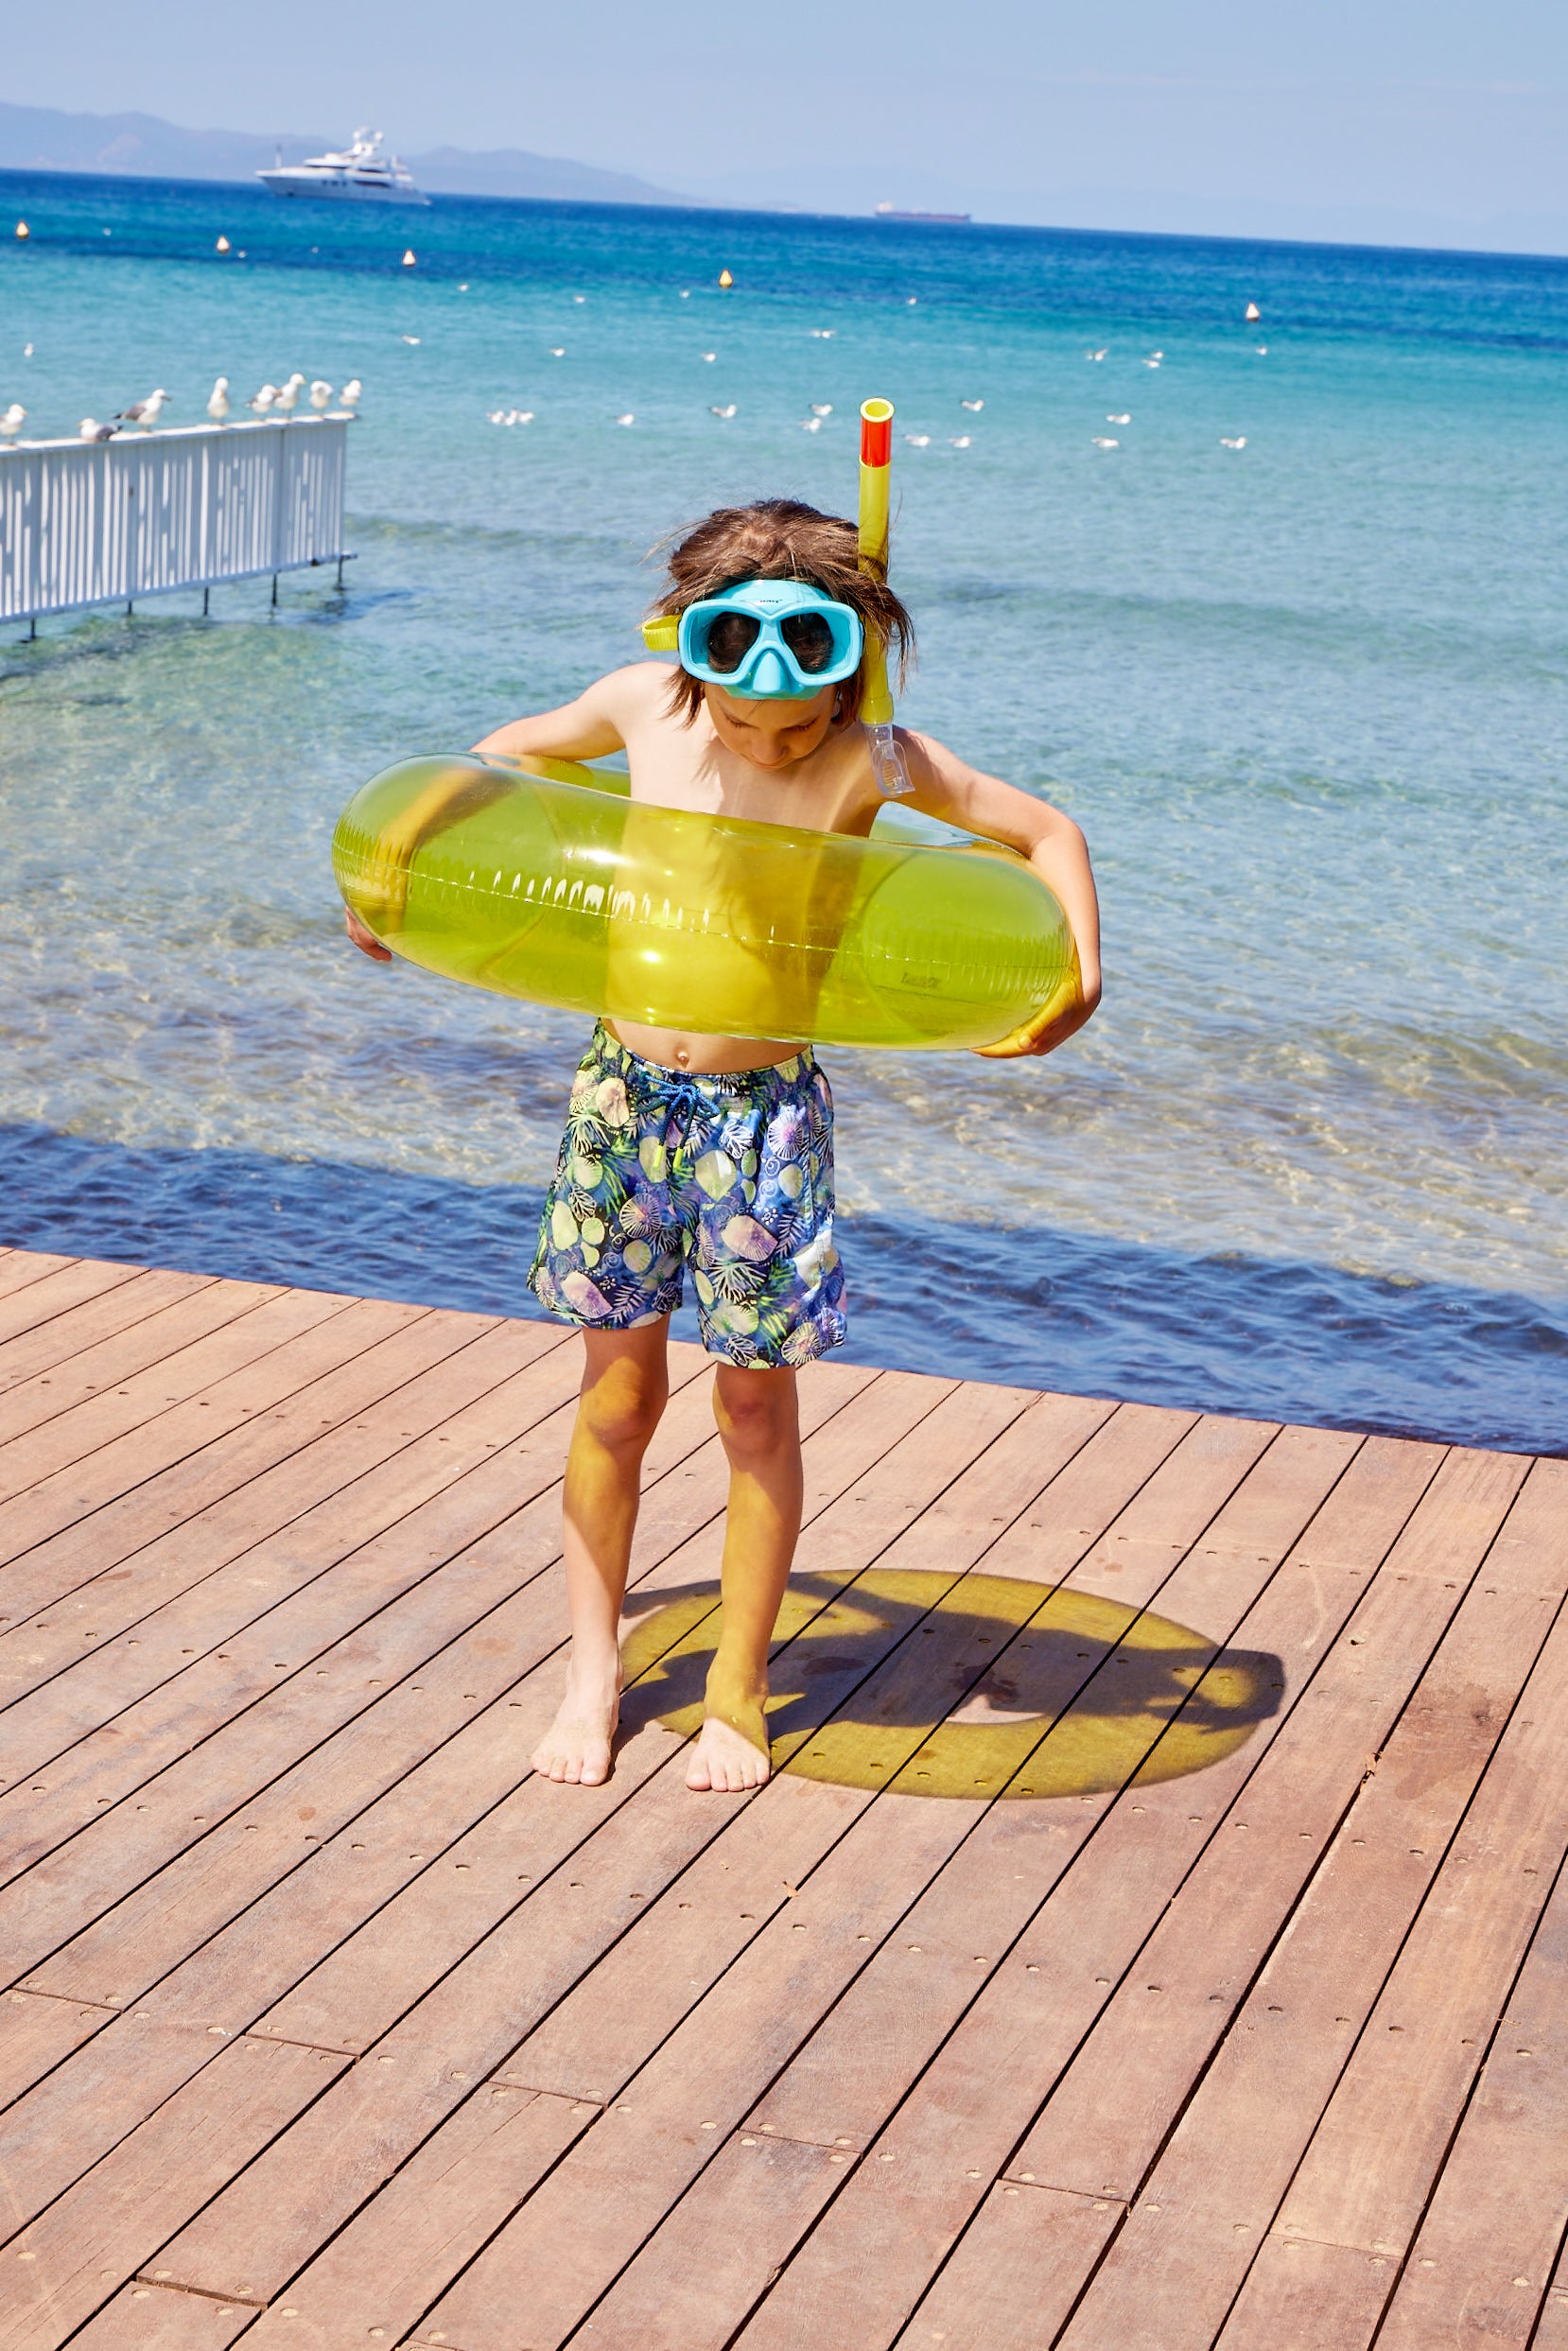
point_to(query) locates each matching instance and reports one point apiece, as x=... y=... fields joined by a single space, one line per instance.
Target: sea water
x=1305 y=695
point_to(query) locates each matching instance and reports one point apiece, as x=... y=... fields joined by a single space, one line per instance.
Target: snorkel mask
x=764 y=640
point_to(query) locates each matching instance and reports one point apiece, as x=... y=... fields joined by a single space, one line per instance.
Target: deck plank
x=36 y=1294
x=120 y=1384
x=486 y=2003
x=1370 y=2167
x=88 y=1515
x=143 y=2317
x=325 y=1506
x=93 y=1343
x=1204 y=2205
x=120 y=1903
x=223 y=1985
x=329 y=2023
x=1480 y=2266
x=568 y=2244
x=19 y=1267
x=960 y=2125
x=469 y=1651
x=97 y=2235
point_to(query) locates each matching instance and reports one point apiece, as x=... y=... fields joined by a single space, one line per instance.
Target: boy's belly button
x=683 y=1059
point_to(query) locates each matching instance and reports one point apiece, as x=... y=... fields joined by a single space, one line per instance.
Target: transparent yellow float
x=543 y=879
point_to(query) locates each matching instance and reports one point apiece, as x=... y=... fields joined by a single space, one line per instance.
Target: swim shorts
x=733 y=1176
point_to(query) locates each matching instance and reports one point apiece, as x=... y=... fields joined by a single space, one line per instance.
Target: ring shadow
x=968 y=1687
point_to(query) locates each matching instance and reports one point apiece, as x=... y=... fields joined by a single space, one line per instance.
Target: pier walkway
x=1155 y=1938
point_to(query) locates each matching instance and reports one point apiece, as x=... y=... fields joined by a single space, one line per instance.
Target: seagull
x=218 y=401
x=718 y=411
x=27 y=351
x=1151 y=363
x=710 y=356
x=144 y=413
x=558 y=351
x=495 y=416
x=1261 y=350
x=974 y=405
x=352 y=393
x=918 y=440
x=1101 y=443
x=320 y=396
x=1125 y=418
x=1240 y=442
x=821 y=407
x=961 y=441
x=580 y=298
x=823 y=333
x=811 y=423
x=520 y=416
x=260 y=402
x=412 y=341
x=13 y=420
x=627 y=419
x=1097 y=354
x=90 y=429
x=288 y=397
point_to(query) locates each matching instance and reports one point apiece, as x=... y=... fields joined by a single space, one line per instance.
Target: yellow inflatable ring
x=543 y=879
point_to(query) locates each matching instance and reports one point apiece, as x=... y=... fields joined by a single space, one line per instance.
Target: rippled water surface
x=1306 y=697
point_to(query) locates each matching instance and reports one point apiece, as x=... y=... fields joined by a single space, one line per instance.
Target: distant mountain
x=41 y=138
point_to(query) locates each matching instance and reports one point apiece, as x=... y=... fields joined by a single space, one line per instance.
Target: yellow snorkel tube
x=887 y=758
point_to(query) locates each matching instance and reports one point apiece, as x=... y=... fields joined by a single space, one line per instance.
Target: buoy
x=408 y=259
x=22 y=230
x=222 y=244
x=724 y=278
x=1252 y=312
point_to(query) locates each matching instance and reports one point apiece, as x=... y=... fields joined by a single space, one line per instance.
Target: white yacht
x=360 y=174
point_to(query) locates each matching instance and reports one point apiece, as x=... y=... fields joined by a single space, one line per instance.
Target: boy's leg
x=759 y=1425
x=625 y=1388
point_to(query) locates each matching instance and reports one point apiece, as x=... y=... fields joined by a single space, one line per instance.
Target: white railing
x=99 y=522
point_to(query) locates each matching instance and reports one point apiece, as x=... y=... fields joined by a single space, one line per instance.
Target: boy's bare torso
x=831 y=790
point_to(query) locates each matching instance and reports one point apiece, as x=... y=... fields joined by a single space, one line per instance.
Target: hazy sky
x=1456 y=109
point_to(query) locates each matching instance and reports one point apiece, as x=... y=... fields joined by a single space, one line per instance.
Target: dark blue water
x=1306 y=696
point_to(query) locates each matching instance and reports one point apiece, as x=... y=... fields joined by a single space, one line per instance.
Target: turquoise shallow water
x=1306 y=698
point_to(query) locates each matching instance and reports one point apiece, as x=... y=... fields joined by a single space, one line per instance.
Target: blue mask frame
x=768 y=669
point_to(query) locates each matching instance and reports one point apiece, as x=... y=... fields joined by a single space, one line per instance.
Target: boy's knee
x=756 y=1411
x=624 y=1404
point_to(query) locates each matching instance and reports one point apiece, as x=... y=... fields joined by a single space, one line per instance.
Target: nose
x=770 y=675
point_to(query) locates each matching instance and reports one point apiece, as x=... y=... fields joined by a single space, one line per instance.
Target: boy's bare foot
x=731 y=1754
x=576 y=1747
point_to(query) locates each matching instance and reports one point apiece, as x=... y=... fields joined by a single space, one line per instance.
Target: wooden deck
x=1156 y=1939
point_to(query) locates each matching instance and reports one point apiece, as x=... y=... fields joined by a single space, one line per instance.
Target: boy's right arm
x=588 y=729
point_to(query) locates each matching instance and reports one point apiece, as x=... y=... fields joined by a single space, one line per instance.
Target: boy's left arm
x=946 y=787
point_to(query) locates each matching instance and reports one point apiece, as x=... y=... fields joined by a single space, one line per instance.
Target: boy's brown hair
x=783 y=539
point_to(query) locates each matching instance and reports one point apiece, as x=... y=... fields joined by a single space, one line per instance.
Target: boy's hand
x=366 y=941
x=1050 y=1029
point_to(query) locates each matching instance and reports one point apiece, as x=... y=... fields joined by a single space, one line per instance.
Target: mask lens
x=809 y=637
x=730 y=637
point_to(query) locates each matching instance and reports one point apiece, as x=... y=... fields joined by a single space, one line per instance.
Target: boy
x=717 y=1150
